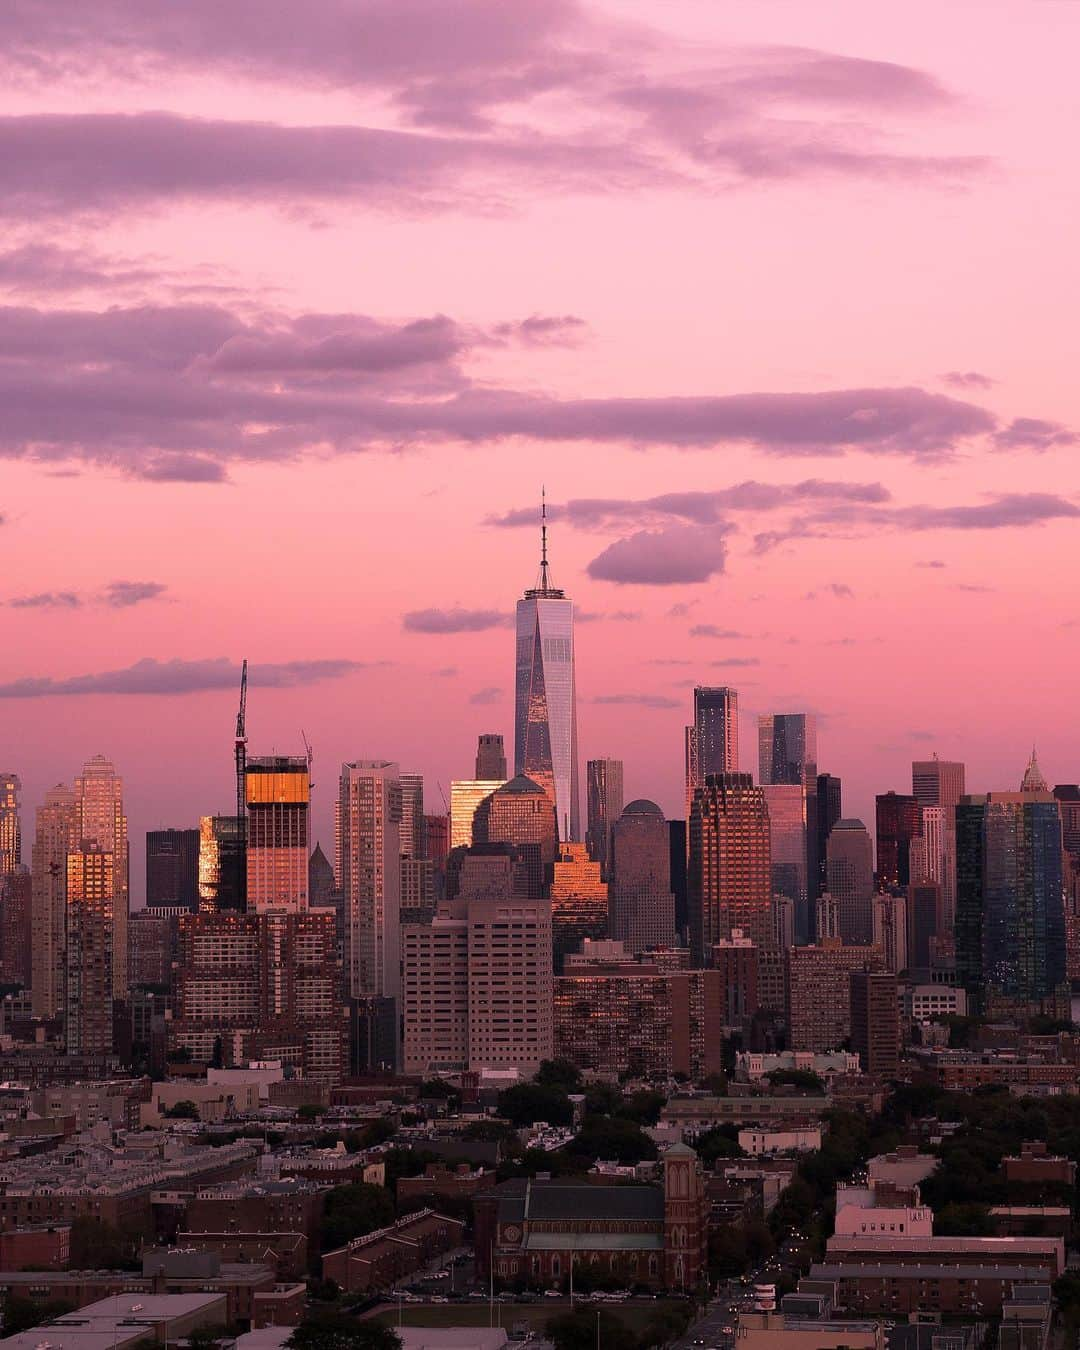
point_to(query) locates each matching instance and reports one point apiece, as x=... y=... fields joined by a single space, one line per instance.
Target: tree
x=722 y=1141
x=20 y=1314
x=207 y=1338
x=183 y=1110
x=642 y=1107
x=309 y=1111
x=584 y=1328
x=335 y=1331
x=438 y=1088
x=559 y=1073
x=217 y=1055
x=353 y=1211
x=609 y=1137
x=526 y=1103
x=803 y=1080
x=97 y=1245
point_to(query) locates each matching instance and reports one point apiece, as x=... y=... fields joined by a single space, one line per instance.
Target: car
x=552 y=1293
x=728 y=1331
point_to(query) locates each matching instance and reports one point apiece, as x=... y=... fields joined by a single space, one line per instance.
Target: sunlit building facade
x=221 y=863
x=54 y=839
x=278 y=791
x=91 y=935
x=729 y=879
x=101 y=824
x=466 y=794
x=579 y=902
x=10 y=826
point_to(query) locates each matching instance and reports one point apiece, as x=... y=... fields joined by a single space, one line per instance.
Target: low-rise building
x=751 y=1065
x=379 y=1259
x=1035 y=1165
x=758 y=1143
x=122 y=1323
x=43 y=1247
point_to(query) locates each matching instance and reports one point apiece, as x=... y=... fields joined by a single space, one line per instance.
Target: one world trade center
x=545 y=707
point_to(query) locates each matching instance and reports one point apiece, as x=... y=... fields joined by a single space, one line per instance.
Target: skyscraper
x=604 y=793
x=1010 y=922
x=222 y=862
x=172 y=869
x=491 y=757
x=875 y=1021
x=100 y=823
x=579 y=902
x=712 y=743
x=828 y=810
x=849 y=866
x=10 y=828
x=54 y=839
x=640 y=902
x=278 y=791
x=369 y=865
x=940 y=783
x=466 y=794
x=417 y=873
x=90 y=949
x=899 y=822
x=787 y=748
x=787 y=835
x=891 y=930
x=729 y=877
x=520 y=813
x=545 y=704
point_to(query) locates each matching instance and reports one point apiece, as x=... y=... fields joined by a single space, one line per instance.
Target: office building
x=783 y=918
x=787 y=748
x=729 y=874
x=924 y=921
x=740 y=964
x=16 y=926
x=712 y=741
x=10 y=823
x=369 y=867
x=640 y=901
x=849 y=871
x=278 y=792
x=890 y=931
x=91 y=935
x=579 y=902
x=899 y=823
x=828 y=803
x=100 y=823
x=1010 y=921
x=435 y=993
x=466 y=794
x=827 y=920
x=172 y=869
x=786 y=803
x=520 y=813
x=54 y=839
x=222 y=863
x=875 y=1021
x=819 y=981
x=939 y=783
x=545 y=699
x=677 y=855
x=604 y=794
x=491 y=757
x=417 y=871
x=152 y=946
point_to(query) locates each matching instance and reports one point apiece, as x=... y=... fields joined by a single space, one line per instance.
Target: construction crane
x=310 y=755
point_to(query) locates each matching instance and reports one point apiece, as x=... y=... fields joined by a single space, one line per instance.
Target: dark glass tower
x=828 y=809
x=172 y=869
x=899 y=821
x=604 y=795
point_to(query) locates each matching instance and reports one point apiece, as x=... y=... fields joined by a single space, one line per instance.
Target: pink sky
x=296 y=305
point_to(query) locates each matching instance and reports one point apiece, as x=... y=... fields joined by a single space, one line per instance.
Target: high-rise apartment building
x=222 y=863
x=491 y=757
x=91 y=934
x=875 y=1021
x=712 y=742
x=891 y=931
x=466 y=794
x=849 y=872
x=604 y=795
x=54 y=839
x=729 y=877
x=369 y=865
x=278 y=790
x=545 y=701
x=899 y=824
x=1010 y=921
x=677 y=854
x=640 y=901
x=417 y=872
x=579 y=902
x=172 y=869
x=16 y=927
x=10 y=823
x=819 y=981
x=100 y=823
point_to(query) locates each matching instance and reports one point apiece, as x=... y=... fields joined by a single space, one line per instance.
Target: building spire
x=543 y=540
x=1033 y=780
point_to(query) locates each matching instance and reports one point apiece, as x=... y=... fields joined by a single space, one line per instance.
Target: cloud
x=968 y=379
x=841 y=591
x=682 y=554
x=124 y=594
x=611 y=616
x=178 y=676
x=736 y=661
x=542 y=330
x=1033 y=433
x=490 y=694
x=455 y=620
x=43 y=268
x=182 y=468
x=711 y=630
x=639 y=700
x=47 y=600
x=681 y=609
x=931 y=562
x=445 y=672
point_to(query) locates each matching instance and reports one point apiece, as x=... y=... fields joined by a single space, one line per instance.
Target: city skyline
x=846 y=455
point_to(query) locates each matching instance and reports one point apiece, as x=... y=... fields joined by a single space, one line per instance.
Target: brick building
x=46 y=1247
x=1036 y=1166
x=641 y=1234
x=287 y=1206
x=875 y=1021
x=442 y=1182
x=819 y=998
x=390 y=1254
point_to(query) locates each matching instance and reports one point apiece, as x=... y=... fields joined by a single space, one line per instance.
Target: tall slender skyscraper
x=729 y=880
x=829 y=809
x=899 y=823
x=787 y=747
x=640 y=899
x=172 y=869
x=940 y=783
x=604 y=793
x=545 y=704
x=54 y=839
x=10 y=829
x=787 y=759
x=849 y=867
x=712 y=743
x=101 y=824
x=369 y=865
x=91 y=956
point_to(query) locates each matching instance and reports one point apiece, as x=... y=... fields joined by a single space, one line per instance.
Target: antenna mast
x=240 y=753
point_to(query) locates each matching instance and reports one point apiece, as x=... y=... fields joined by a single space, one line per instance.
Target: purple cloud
x=841 y=591
x=124 y=594
x=455 y=620
x=150 y=676
x=638 y=700
x=682 y=554
x=542 y=330
x=711 y=630
x=44 y=268
x=181 y=467
x=1033 y=433
x=932 y=562
x=486 y=696
x=47 y=600
x=968 y=379
x=736 y=661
